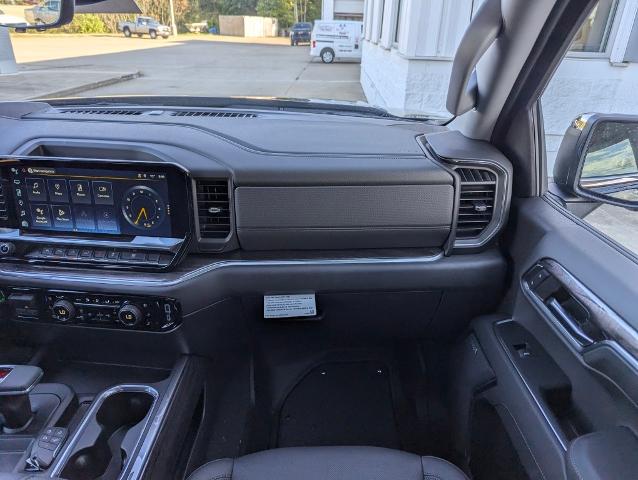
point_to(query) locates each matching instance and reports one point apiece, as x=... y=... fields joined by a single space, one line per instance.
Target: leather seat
x=329 y=463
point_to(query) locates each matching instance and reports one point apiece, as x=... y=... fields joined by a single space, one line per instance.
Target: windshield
x=303 y=49
x=380 y=53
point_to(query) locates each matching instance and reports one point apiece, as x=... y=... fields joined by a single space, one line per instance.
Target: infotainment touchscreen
x=92 y=200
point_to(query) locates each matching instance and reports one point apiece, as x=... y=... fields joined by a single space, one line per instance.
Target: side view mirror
x=598 y=159
x=39 y=15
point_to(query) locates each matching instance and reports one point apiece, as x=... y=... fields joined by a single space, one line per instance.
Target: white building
x=410 y=44
x=342 y=10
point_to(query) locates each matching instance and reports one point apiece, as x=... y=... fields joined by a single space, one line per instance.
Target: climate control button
x=63 y=311
x=130 y=315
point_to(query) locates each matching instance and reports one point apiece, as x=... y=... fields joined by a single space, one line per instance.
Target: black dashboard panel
x=275 y=202
x=342 y=217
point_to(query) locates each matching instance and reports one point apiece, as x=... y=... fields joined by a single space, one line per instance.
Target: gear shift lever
x=16 y=381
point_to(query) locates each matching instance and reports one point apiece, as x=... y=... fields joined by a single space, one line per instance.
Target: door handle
x=567 y=321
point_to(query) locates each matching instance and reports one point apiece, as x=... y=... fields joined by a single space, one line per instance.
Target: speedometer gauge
x=143 y=208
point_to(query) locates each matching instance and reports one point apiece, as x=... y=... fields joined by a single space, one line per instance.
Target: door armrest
x=603 y=455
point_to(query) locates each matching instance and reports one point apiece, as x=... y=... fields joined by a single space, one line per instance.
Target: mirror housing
x=598 y=159
x=39 y=16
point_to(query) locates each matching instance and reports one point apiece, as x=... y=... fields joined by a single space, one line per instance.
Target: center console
x=97 y=213
x=69 y=429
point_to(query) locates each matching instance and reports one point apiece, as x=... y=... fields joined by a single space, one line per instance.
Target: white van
x=336 y=39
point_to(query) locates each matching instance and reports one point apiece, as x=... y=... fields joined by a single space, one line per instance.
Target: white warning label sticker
x=288 y=306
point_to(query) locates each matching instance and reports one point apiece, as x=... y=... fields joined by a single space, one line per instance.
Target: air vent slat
x=4 y=210
x=477 y=198
x=212 y=113
x=213 y=208
x=101 y=111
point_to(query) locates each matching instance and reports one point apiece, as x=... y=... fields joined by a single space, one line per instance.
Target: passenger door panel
x=565 y=359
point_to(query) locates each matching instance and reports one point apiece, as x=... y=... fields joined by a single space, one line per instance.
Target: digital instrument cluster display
x=89 y=200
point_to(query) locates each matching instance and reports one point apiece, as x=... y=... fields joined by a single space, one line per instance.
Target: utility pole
x=7 y=58
x=173 y=24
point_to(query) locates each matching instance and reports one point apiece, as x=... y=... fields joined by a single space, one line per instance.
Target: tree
x=282 y=10
x=236 y=7
x=307 y=10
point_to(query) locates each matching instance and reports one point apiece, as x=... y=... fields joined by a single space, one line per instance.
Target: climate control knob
x=63 y=311
x=130 y=315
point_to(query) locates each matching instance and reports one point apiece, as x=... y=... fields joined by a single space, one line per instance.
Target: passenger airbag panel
x=315 y=217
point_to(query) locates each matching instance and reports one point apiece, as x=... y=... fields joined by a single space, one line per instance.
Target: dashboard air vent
x=476 y=207
x=99 y=111
x=4 y=207
x=213 y=208
x=210 y=113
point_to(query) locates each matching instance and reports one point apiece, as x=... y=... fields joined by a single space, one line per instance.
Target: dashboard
x=101 y=208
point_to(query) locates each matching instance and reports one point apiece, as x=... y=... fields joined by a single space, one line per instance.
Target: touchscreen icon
x=80 y=191
x=41 y=215
x=84 y=218
x=62 y=217
x=103 y=193
x=36 y=190
x=106 y=220
x=58 y=191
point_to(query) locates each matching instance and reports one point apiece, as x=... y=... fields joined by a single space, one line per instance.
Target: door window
x=592 y=84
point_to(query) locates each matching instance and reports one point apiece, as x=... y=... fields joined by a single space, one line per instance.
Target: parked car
x=336 y=39
x=300 y=33
x=12 y=20
x=44 y=14
x=144 y=26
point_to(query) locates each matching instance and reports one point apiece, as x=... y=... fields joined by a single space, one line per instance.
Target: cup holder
x=109 y=436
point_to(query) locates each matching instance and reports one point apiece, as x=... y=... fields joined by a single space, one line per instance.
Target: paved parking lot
x=192 y=65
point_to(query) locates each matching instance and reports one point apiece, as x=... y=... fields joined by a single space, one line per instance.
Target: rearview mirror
x=598 y=159
x=37 y=14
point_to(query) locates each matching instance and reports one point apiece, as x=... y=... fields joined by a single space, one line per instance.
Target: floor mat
x=347 y=403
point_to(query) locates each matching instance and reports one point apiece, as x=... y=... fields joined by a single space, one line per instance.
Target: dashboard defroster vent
x=101 y=111
x=476 y=206
x=213 y=208
x=211 y=113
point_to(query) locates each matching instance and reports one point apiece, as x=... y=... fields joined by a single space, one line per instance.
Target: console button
x=36 y=191
x=58 y=190
x=63 y=311
x=113 y=255
x=25 y=304
x=129 y=256
x=86 y=253
x=130 y=315
x=99 y=254
x=46 y=251
x=153 y=257
x=72 y=253
x=7 y=248
x=59 y=252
